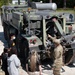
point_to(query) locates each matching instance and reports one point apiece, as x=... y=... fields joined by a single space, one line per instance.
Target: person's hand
x=49 y=36
x=40 y=73
x=27 y=72
x=52 y=68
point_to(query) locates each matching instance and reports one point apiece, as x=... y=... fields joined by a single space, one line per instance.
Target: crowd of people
x=11 y=63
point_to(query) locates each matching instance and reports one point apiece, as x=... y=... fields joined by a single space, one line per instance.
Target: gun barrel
x=44 y=6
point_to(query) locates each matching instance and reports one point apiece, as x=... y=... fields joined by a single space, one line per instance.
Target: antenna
x=18 y=2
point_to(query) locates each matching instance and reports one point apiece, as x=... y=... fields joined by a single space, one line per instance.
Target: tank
x=31 y=24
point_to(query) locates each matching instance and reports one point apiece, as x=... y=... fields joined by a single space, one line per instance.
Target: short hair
x=5 y=49
x=13 y=50
x=12 y=34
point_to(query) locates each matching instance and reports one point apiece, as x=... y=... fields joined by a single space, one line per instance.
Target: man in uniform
x=58 y=55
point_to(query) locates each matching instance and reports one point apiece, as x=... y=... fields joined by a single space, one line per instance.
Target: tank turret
x=31 y=23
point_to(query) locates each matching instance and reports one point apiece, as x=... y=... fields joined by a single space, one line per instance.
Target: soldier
x=58 y=55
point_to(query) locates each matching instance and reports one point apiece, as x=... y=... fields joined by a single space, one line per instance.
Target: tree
x=64 y=3
x=50 y=1
x=60 y=3
x=4 y=2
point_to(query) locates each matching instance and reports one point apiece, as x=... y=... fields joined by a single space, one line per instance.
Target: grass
x=68 y=10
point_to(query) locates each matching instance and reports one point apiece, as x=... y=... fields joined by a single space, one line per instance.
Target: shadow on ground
x=71 y=65
x=2 y=39
x=47 y=64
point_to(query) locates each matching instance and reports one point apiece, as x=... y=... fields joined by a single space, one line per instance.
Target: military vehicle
x=31 y=23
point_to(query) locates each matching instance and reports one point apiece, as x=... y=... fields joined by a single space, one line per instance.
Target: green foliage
x=1 y=2
x=71 y=3
x=60 y=3
x=4 y=2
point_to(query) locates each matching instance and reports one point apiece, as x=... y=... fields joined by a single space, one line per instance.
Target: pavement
x=68 y=70
x=1 y=39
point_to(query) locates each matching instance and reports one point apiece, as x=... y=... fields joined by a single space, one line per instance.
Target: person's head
x=5 y=50
x=33 y=52
x=13 y=50
x=12 y=36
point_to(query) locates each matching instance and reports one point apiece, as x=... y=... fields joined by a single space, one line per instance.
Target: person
x=58 y=55
x=12 y=42
x=33 y=63
x=71 y=17
x=13 y=62
x=4 y=57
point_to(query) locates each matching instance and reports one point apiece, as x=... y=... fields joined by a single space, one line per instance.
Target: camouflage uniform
x=58 y=56
x=58 y=51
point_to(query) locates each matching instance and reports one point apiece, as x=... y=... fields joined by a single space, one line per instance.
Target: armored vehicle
x=31 y=23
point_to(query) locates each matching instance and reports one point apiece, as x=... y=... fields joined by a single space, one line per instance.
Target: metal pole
x=50 y=1
x=18 y=2
x=8 y=2
x=44 y=32
x=64 y=3
x=29 y=23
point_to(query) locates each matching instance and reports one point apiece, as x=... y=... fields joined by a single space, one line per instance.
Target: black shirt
x=4 y=61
